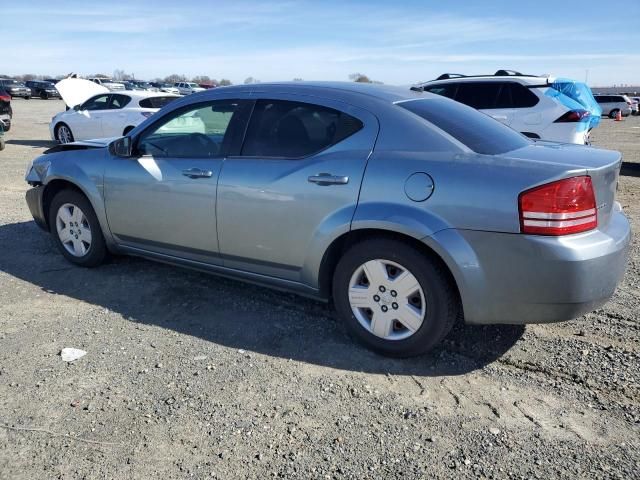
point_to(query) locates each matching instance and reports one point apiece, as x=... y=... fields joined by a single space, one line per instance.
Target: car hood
x=82 y=145
x=75 y=91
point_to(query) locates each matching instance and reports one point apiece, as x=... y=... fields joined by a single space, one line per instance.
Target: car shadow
x=231 y=313
x=32 y=143
x=630 y=169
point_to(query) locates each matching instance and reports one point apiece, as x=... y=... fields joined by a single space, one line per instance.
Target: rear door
x=296 y=179
x=114 y=119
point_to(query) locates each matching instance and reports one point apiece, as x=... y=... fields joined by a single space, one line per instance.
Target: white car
x=99 y=113
x=108 y=83
x=546 y=108
x=187 y=88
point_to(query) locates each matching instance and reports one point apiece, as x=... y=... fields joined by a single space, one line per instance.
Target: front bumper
x=20 y=93
x=34 y=202
x=519 y=279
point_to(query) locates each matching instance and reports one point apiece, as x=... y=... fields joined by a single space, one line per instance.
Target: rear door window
x=156 y=102
x=446 y=90
x=479 y=95
x=286 y=129
x=119 y=101
x=476 y=130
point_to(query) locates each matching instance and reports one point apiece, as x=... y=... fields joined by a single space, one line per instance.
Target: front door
x=86 y=122
x=163 y=200
x=298 y=176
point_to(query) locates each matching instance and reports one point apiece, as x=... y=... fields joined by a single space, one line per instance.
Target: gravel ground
x=191 y=376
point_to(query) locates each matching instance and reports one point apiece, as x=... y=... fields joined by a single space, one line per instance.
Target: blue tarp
x=576 y=96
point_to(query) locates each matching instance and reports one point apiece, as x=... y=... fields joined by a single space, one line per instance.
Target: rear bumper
x=519 y=279
x=34 y=202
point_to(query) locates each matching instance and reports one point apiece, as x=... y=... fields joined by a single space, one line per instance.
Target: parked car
x=106 y=114
x=187 y=88
x=108 y=83
x=142 y=85
x=166 y=87
x=44 y=90
x=5 y=110
x=558 y=110
x=15 y=88
x=1 y=137
x=408 y=209
x=131 y=86
x=612 y=104
x=635 y=105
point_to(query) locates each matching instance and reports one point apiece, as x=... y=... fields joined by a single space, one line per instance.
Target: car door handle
x=197 y=173
x=328 y=179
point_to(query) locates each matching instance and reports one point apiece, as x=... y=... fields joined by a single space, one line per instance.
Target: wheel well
x=51 y=190
x=127 y=129
x=341 y=244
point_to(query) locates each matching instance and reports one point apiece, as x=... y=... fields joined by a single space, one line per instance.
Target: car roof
x=524 y=79
x=143 y=93
x=344 y=90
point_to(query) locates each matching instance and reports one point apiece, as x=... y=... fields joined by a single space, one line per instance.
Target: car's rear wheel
x=613 y=113
x=63 y=133
x=394 y=298
x=75 y=229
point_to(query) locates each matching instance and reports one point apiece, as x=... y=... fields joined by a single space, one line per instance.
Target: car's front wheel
x=76 y=230
x=394 y=298
x=63 y=133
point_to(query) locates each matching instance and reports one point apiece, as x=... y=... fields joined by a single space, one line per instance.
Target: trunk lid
x=603 y=166
x=75 y=91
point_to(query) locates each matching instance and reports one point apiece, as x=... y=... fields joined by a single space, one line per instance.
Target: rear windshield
x=476 y=130
x=156 y=102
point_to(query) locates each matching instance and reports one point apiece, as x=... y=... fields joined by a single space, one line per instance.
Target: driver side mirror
x=121 y=147
x=76 y=107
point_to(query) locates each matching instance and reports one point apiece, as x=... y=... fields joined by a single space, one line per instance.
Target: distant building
x=625 y=89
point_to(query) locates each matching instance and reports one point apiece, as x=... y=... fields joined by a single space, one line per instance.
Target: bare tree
x=224 y=82
x=297 y=79
x=249 y=80
x=201 y=79
x=359 y=77
x=174 y=77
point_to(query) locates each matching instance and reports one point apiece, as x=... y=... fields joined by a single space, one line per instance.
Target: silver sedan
x=407 y=210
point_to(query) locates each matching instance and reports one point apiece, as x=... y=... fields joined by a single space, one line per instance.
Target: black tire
x=441 y=298
x=613 y=113
x=97 y=251
x=27 y=97
x=57 y=132
x=44 y=96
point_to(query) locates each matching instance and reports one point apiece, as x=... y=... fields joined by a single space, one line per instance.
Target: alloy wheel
x=64 y=134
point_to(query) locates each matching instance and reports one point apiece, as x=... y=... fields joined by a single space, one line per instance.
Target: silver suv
x=407 y=210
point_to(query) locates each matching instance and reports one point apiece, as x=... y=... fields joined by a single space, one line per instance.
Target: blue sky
x=391 y=41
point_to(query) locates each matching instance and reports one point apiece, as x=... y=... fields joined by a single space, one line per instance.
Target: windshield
x=476 y=130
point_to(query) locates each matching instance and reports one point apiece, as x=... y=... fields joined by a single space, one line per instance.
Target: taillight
x=559 y=208
x=573 y=116
x=5 y=98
